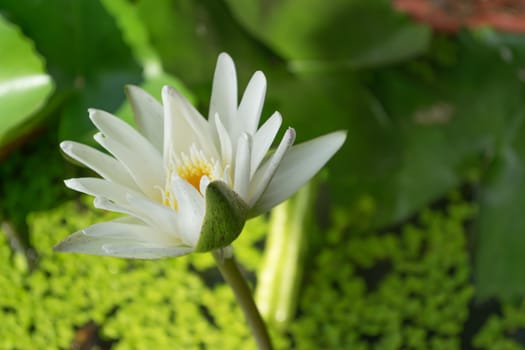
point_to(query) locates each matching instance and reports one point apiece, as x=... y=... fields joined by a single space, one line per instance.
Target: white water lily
x=160 y=174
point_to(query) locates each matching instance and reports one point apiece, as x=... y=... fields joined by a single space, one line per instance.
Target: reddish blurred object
x=452 y=15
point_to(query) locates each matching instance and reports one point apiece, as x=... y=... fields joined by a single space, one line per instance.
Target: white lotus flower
x=160 y=175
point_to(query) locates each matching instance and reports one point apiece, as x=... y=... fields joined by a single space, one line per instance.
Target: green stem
x=280 y=274
x=231 y=274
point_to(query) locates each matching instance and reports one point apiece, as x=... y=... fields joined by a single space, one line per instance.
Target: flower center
x=191 y=168
x=194 y=171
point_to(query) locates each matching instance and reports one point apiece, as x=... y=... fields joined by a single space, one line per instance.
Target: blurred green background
x=412 y=238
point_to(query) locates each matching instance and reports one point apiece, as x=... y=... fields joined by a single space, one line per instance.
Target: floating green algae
x=158 y=304
x=406 y=289
x=403 y=290
x=503 y=331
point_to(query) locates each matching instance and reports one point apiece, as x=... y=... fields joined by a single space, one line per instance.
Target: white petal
x=264 y=174
x=103 y=164
x=191 y=209
x=148 y=113
x=224 y=140
x=205 y=181
x=128 y=228
x=184 y=125
x=123 y=208
x=224 y=91
x=144 y=250
x=157 y=215
x=78 y=242
x=242 y=166
x=263 y=140
x=251 y=104
x=299 y=165
x=225 y=176
x=100 y=188
x=120 y=199
x=143 y=161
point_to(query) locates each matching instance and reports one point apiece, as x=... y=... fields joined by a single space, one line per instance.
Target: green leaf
x=225 y=216
x=189 y=35
x=428 y=127
x=315 y=35
x=135 y=34
x=500 y=240
x=501 y=228
x=24 y=84
x=85 y=53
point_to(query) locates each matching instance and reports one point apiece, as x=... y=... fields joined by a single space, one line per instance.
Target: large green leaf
x=501 y=228
x=430 y=127
x=24 y=84
x=500 y=239
x=85 y=53
x=314 y=34
x=188 y=36
x=135 y=34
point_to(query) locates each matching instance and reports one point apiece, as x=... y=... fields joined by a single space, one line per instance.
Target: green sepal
x=225 y=216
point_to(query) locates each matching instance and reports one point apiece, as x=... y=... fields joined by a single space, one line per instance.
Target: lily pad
x=86 y=56
x=345 y=34
x=24 y=83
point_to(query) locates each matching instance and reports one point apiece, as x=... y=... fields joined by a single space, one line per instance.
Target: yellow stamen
x=193 y=172
x=190 y=168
